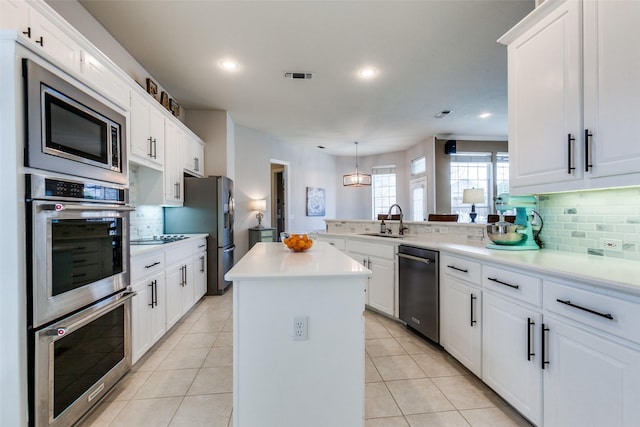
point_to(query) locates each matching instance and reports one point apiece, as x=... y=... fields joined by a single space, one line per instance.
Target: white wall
x=215 y=127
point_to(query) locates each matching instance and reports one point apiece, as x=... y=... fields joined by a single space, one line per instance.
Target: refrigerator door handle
x=231 y=249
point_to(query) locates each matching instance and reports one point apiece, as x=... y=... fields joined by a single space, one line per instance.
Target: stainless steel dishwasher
x=419 y=290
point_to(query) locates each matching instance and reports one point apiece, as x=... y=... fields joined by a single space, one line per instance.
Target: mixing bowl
x=505 y=233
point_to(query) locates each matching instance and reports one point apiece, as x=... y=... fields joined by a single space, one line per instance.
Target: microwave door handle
x=75 y=207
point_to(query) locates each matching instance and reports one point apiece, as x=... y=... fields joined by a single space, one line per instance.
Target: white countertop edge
x=135 y=250
x=273 y=260
x=615 y=274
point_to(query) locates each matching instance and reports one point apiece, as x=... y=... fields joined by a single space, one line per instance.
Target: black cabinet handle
x=544 y=346
x=28 y=32
x=459 y=269
x=587 y=136
x=530 y=353
x=40 y=41
x=155 y=297
x=152 y=292
x=152 y=265
x=493 y=279
x=202 y=264
x=150 y=147
x=473 y=297
x=570 y=140
x=588 y=310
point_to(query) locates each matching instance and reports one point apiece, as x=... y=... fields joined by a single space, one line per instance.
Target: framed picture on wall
x=315 y=201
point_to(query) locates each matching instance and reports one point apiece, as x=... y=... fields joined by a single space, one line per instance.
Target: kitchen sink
x=391 y=236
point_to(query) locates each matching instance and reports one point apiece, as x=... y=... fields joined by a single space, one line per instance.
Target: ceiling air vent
x=442 y=114
x=298 y=76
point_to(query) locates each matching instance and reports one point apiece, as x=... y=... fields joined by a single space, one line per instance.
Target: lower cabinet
x=380 y=259
x=511 y=354
x=180 y=290
x=461 y=321
x=164 y=294
x=147 y=314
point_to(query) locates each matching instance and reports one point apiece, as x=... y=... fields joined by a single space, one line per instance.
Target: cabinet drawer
x=199 y=246
x=461 y=267
x=610 y=314
x=374 y=249
x=177 y=252
x=336 y=242
x=516 y=285
x=143 y=265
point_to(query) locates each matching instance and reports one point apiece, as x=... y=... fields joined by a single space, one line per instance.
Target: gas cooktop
x=159 y=240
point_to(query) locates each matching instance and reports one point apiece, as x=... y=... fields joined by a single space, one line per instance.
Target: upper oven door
x=79 y=254
x=72 y=130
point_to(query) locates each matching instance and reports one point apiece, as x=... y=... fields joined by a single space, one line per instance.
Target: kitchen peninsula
x=298 y=337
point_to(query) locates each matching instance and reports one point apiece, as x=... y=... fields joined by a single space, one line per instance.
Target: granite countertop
x=602 y=272
x=267 y=260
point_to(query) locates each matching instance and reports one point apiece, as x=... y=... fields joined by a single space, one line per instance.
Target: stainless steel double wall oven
x=77 y=217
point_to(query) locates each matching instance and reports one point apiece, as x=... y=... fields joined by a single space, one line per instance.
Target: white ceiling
x=432 y=55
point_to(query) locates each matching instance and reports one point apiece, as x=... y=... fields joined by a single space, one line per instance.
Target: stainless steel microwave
x=70 y=130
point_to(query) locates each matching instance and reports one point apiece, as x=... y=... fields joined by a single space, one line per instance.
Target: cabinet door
x=589 y=380
x=381 y=285
x=200 y=276
x=194 y=155
x=14 y=14
x=157 y=315
x=140 y=141
x=111 y=86
x=364 y=260
x=140 y=320
x=544 y=67
x=188 y=289
x=61 y=47
x=173 y=175
x=511 y=354
x=460 y=322
x=173 y=293
x=612 y=87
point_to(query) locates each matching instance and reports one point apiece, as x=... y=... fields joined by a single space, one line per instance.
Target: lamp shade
x=473 y=195
x=356 y=178
x=259 y=205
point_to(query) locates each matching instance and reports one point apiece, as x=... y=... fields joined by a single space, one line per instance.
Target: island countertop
x=267 y=260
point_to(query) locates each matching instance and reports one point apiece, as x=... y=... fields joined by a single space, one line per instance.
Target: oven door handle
x=61 y=329
x=58 y=207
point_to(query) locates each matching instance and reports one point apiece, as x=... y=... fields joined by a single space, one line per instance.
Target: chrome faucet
x=402 y=227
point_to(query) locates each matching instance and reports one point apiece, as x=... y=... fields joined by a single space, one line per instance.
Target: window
x=418 y=166
x=489 y=171
x=418 y=188
x=384 y=189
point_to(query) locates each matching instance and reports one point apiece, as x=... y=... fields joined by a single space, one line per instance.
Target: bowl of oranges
x=297 y=242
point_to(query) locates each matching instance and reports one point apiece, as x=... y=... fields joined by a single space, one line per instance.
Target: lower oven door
x=78 y=254
x=78 y=359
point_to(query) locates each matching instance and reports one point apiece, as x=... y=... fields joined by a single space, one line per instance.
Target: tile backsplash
x=145 y=221
x=576 y=222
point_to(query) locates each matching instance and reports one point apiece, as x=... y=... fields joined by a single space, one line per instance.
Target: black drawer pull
x=530 y=353
x=472 y=316
x=493 y=279
x=545 y=348
x=152 y=265
x=459 y=269
x=570 y=140
x=588 y=310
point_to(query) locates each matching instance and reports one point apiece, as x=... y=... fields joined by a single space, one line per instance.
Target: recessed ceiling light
x=484 y=115
x=368 y=73
x=228 y=65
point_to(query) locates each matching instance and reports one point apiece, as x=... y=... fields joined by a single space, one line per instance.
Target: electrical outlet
x=611 y=244
x=300 y=328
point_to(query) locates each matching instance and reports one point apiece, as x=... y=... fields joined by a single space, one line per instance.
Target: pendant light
x=356 y=178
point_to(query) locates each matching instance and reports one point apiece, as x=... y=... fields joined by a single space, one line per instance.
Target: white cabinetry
x=544 y=100
x=591 y=358
x=200 y=269
x=44 y=34
x=612 y=88
x=511 y=351
x=461 y=310
x=148 y=306
x=173 y=172
x=146 y=145
x=193 y=158
x=380 y=259
x=336 y=242
x=573 y=97
x=180 y=286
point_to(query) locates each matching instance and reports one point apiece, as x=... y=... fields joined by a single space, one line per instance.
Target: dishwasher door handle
x=415 y=258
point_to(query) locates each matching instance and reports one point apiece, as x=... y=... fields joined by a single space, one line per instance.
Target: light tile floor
x=186 y=380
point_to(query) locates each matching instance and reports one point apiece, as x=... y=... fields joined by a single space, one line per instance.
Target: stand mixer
x=519 y=235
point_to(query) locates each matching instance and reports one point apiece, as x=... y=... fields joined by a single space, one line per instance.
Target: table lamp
x=259 y=205
x=473 y=196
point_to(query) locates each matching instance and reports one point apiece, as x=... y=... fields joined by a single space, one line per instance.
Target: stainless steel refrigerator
x=208 y=208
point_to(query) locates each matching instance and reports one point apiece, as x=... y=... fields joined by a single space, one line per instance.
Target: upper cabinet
x=193 y=160
x=574 y=102
x=146 y=144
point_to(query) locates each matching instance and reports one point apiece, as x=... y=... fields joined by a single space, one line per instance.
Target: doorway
x=279 y=199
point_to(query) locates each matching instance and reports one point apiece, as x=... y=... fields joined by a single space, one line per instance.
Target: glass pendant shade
x=356 y=178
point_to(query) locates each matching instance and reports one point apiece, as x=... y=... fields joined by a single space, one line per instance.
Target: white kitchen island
x=280 y=380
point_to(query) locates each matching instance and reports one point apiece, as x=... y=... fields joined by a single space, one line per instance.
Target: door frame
x=287 y=207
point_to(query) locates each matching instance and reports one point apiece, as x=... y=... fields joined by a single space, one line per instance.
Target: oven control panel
x=62 y=189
